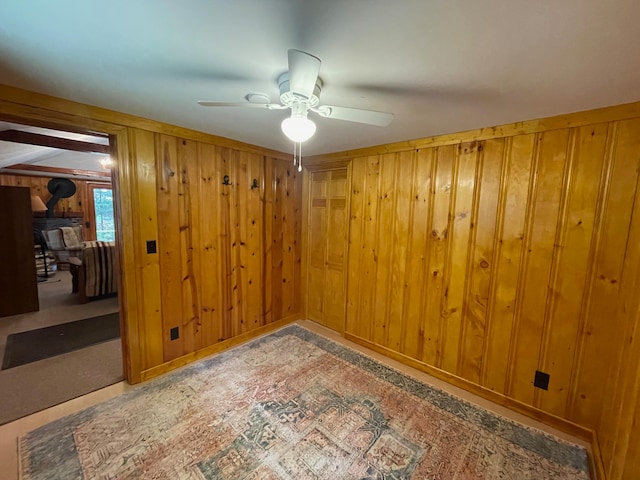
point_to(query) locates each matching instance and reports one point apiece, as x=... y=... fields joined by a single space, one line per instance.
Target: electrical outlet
x=541 y=380
x=151 y=246
x=174 y=333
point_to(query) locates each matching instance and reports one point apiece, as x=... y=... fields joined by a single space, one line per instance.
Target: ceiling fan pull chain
x=295 y=150
x=300 y=157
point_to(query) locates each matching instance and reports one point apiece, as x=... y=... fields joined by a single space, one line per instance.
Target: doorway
x=56 y=379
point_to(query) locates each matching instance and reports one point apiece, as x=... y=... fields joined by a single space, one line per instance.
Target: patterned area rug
x=293 y=405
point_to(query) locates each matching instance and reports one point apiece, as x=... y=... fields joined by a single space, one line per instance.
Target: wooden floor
x=10 y=432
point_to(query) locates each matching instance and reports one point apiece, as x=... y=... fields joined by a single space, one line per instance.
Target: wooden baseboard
x=548 y=419
x=218 y=347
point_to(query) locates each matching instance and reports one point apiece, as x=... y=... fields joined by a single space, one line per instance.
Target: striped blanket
x=99 y=260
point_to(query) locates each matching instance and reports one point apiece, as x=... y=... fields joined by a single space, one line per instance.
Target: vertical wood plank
x=295 y=201
x=366 y=295
x=356 y=238
x=618 y=423
x=290 y=260
x=189 y=228
x=255 y=287
x=416 y=268
x=286 y=239
x=225 y=241
x=169 y=243
x=481 y=270
x=210 y=265
x=268 y=200
x=235 y=236
x=277 y=241
x=383 y=246
x=440 y=198
x=455 y=279
x=517 y=173
x=243 y=212
x=399 y=247
x=543 y=226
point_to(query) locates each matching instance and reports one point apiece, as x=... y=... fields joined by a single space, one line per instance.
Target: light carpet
x=293 y=405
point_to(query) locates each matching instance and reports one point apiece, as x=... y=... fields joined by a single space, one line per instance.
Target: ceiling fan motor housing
x=288 y=98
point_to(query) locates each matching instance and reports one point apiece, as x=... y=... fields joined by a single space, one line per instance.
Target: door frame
x=51 y=115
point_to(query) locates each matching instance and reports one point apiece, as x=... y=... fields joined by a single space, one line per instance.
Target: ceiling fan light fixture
x=298 y=128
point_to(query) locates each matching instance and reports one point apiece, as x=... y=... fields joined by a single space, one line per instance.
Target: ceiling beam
x=45 y=171
x=18 y=136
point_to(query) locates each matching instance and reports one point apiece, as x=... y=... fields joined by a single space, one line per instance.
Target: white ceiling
x=440 y=66
x=12 y=153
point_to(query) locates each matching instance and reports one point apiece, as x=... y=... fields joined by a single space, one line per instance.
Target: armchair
x=65 y=242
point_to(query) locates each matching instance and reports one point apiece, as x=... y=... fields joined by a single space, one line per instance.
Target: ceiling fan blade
x=205 y=103
x=303 y=72
x=371 y=117
x=269 y=106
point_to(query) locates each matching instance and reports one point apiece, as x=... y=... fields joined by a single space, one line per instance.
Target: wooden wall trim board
x=216 y=348
x=128 y=278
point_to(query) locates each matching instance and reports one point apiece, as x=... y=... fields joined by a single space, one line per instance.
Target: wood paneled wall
x=228 y=256
x=490 y=259
x=488 y=253
x=78 y=203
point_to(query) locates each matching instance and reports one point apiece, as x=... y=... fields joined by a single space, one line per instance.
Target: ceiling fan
x=300 y=89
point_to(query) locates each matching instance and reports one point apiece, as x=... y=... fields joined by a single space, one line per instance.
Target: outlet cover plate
x=541 y=380
x=174 y=333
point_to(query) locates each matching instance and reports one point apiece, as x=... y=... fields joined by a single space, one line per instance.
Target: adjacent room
x=59 y=303
x=304 y=239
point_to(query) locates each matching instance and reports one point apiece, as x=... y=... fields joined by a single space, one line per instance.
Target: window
x=104 y=221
